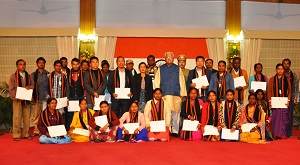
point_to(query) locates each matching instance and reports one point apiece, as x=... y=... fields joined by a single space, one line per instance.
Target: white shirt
x=199 y=72
x=122 y=77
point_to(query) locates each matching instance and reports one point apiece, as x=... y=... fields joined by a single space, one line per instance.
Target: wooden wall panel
x=233 y=16
x=87 y=16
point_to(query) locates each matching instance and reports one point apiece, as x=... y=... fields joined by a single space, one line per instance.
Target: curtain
x=105 y=49
x=67 y=47
x=250 y=52
x=216 y=49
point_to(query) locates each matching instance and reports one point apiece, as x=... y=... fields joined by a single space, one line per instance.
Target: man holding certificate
x=237 y=72
x=199 y=71
x=156 y=111
x=119 y=84
x=21 y=107
x=279 y=86
x=169 y=77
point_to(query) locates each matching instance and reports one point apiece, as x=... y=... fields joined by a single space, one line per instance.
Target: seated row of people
x=226 y=115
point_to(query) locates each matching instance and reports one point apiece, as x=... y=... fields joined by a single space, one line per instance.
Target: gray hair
x=169 y=53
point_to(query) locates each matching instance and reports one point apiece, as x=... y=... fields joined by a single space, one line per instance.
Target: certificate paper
x=101 y=121
x=279 y=102
x=24 y=94
x=58 y=130
x=122 y=93
x=73 y=106
x=210 y=130
x=255 y=85
x=200 y=81
x=81 y=131
x=61 y=102
x=158 y=126
x=239 y=82
x=131 y=127
x=226 y=134
x=189 y=125
x=248 y=126
x=97 y=101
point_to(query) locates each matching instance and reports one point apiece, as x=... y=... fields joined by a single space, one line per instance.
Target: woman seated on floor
x=133 y=116
x=260 y=95
x=191 y=109
x=252 y=113
x=100 y=134
x=230 y=112
x=80 y=120
x=210 y=116
x=51 y=117
x=158 y=109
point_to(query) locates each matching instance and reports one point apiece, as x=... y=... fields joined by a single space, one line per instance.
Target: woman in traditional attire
x=80 y=120
x=108 y=132
x=158 y=109
x=279 y=86
x=133 y=116
x=191 y=109
x=230 y=112
x=51 y=117
x=142 y=87
x=210 y=116
x=252 y=113
x=258 y=76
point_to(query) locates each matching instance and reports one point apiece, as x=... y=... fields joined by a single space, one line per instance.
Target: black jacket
x=136 y=87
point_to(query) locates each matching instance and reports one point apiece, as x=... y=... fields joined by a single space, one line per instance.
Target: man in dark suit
x=95 y=82
x=119 y=78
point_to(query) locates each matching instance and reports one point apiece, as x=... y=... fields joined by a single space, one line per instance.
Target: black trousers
x=120 y=106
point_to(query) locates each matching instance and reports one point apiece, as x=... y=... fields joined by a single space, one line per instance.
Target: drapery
x=250 y=52
x=67 y=47
x=216 y=49
x=105 y=49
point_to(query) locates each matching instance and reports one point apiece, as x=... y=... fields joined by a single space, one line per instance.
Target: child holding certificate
x=252 y=113
x=133 y=116
x=80 y=120
x=51 y=117
x=191 y=109
x=279 y=86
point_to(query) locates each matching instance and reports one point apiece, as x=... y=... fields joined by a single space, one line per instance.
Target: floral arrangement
x=234 y=52
x=86 y=54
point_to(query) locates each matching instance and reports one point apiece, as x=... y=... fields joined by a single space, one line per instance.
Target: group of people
x=166 y=93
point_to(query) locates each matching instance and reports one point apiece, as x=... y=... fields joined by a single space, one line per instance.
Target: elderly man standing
x=182 y=63
x=169 y=77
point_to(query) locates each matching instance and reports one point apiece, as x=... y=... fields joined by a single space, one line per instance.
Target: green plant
x=5 y=106
x=234 y=52
x=297 y=114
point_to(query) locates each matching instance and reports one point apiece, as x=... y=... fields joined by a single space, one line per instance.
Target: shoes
x=299 y=138
x=35 y=134
x=27 y=138
x=110 y=141
x=16 y=139
x=98 y=141
x=174 y=135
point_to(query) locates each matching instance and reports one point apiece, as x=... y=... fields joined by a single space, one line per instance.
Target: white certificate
x=248 y=126
x=73 y=106
x=200 y=81
x=226 y=134
x=81 y=131
x=108 y=98
x=61 y=102
x=101 y=121
x=158 y=126
x=131 y=127
x=239 y=82
x=44 y=105
x=97 y=101
x=255 y=85
x=279 y=102
x=58 y=130
x=189 y=125
x=210 y=130
x=122 y=93
x=24 y=94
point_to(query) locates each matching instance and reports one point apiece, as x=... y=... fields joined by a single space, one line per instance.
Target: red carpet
x=174 y=152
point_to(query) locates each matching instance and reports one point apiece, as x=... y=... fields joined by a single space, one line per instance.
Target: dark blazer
x=136 y=87
x=111 y=85
x=89 y=89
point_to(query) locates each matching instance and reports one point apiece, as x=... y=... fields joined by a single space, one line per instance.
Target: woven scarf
x=45 y=117
x=284 y=86
x=230 y=113
x=222 y=87
x=157 y=114
x=19 y=83
x=36 y=85
x=213 y=114
x=100 y=80
x=89 y=115
x=256 y=116
x=63 y=87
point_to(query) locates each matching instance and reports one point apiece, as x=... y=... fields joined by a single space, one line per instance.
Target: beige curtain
x=216 y=49
x=105 y=49
x=250 y=52
x=67 y=47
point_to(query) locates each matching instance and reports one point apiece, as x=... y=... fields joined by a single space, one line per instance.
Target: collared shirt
x=199 y=72
x=122 y=77
x=56 y=90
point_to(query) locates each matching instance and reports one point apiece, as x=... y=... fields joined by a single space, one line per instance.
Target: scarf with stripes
x=256 y=116
x=63 y=86
x=46 y=119
x=89 y=115
x=117 y=78
x=157 y=114
x=202 y=91
x=240 y=92
x=19 y=83
x=100 y=81
x=36 y=85
x=213 y=114
x=222 y=87
x=230 y=113
x=284 y=86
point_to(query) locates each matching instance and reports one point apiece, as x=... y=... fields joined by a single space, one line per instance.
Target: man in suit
x=129 y=66
x=119 y=78
x=95 y=82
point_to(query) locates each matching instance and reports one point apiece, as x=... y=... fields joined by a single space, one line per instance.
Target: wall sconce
x=86 y=38
x=235 y=39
